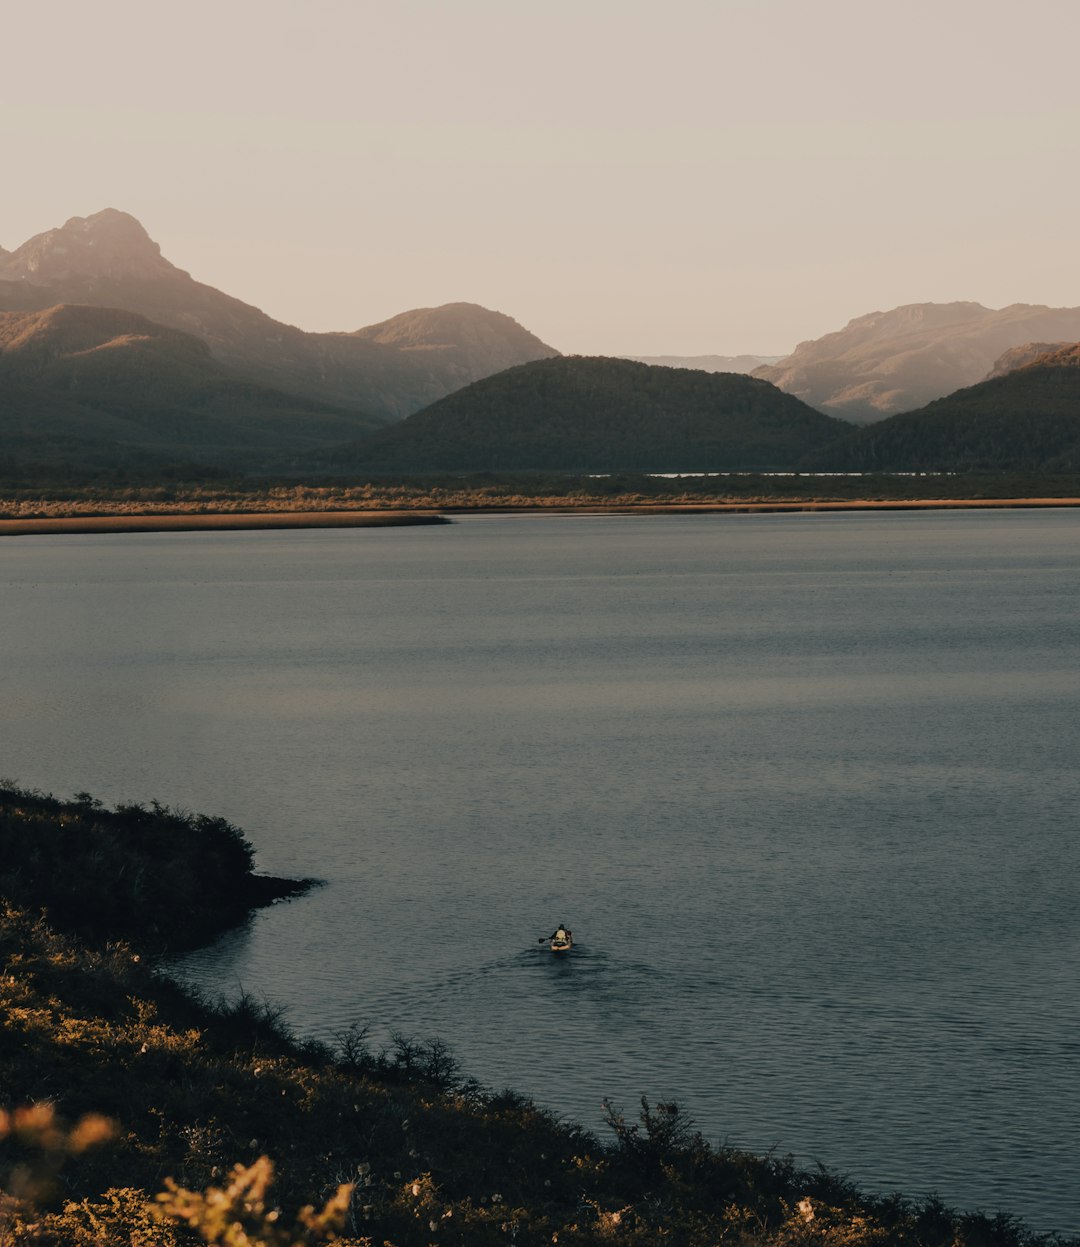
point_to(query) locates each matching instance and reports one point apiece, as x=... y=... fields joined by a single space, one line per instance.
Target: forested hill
x=1027 y=420
x=596 y=414
x=93 y=385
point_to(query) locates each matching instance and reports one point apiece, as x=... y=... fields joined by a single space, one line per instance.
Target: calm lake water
x=805 y=787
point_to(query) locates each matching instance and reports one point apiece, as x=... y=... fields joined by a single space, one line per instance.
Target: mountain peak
x=109 y=243
x=473 y=339
x=438 y=326
x=111 y=223
x=107 y=260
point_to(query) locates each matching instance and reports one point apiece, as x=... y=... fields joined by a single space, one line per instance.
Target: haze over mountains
x=389 y=370
x=708 y=363
x=1026 y=420
x=889 y=362
x=111 y=354
x=103 y=386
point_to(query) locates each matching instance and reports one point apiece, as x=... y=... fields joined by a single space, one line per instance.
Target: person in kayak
x=562 y=934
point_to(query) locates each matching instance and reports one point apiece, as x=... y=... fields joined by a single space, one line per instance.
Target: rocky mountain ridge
x=1064 y=355
x=888 y=362
x=109 y=260
x=1020 y=356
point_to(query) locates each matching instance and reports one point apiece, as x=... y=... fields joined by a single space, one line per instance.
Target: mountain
x=707 y=363
x=895 y=361
x=1026 y=420
x=1020 y=356
x=599 y=415
x=109 y=260
x=103 y=385
x=469 y=341
x=1060 y=355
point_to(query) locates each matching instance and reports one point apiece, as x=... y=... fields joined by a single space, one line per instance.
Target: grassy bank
x=57 y=498
x=89 y=1027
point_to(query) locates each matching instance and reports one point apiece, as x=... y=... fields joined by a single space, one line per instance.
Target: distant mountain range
x=93 y=385
x=1027 y=419
x=598 y=415
x=896 y=361
x=707 y=363
x=387 y=370
x=98 y=387
x=110 y=355
x=611 y=415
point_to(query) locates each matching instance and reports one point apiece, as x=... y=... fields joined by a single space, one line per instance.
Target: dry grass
x=214 y=502
x=154 y=508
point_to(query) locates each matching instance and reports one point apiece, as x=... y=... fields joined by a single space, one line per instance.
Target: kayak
x=561 y=946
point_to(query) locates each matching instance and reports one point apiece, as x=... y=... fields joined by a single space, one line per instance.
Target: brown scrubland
x=324 y=503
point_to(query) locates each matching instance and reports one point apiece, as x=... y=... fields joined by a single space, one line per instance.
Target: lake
x=805 y=787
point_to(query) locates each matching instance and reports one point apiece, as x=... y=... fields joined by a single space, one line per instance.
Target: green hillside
x=1025 y=421
x=586 y=414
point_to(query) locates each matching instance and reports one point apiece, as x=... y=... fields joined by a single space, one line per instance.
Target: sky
x=622 y=177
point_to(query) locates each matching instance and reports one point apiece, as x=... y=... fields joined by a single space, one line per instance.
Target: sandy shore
x=850 y=504
x=191 y=521
x=187 y=522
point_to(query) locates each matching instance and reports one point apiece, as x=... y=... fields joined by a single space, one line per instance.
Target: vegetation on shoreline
x=160 y=877
x=175 y=1091
x=57 y=497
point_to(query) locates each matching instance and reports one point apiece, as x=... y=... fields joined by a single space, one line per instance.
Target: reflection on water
x=804 y=786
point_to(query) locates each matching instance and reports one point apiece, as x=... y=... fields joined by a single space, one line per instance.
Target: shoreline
x=261 y=891
x=176 y=1083
x=846 y=504
x=187 y=521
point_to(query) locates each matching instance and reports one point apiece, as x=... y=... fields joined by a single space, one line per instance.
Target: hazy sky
x=622 y=177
